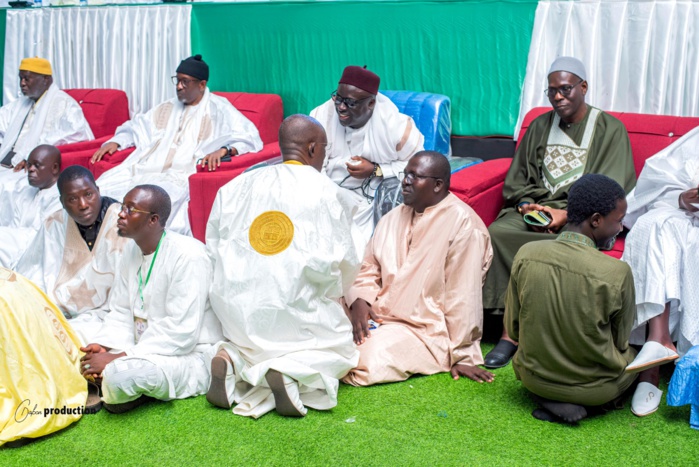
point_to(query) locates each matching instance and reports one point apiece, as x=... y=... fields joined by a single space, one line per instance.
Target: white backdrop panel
x=135 y=48
x=640 y=56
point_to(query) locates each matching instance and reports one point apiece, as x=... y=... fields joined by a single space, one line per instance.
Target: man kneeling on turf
x=571 y=308
x=156 y=341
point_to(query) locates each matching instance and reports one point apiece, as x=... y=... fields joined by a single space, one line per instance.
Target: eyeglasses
x=350 y=103
x=564 y=90
x=185 y=82
x=411 y=176
x=130 y=210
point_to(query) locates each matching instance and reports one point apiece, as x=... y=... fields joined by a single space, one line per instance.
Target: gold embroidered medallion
x=271 y=233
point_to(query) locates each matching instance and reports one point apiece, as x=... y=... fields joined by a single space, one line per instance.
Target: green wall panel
x=473 y=51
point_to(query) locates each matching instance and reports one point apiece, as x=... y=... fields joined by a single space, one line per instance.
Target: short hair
x=160 y=203
x=593 y=193
x=71 y=173
x=440 y=165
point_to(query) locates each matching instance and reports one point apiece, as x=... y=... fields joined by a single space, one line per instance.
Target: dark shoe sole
x=217 y=394
x=283 y=403
x=126 y=406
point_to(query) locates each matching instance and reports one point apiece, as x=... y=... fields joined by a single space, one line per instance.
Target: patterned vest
x=565 y=161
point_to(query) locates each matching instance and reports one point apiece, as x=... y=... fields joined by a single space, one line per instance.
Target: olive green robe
x=571 y=308
x=609 y=154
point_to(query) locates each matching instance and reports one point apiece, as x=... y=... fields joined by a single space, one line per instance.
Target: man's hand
x=360 y=312
x=559 y=218
x=360 y=170
x=110 y=148
x=213 y=160
x=95 y=359
x=689 y=197
x=22 y=165
x=472 y=372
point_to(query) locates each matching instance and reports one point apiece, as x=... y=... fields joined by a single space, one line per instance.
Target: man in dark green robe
x=572 y=308
x=557 y=149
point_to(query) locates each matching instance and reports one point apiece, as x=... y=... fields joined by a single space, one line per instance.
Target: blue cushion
x=431 y=113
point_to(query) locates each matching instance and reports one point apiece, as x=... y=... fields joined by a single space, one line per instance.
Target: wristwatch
x=377 y=170
x=521 y=205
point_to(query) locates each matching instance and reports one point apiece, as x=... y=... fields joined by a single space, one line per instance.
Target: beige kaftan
x=423 y=275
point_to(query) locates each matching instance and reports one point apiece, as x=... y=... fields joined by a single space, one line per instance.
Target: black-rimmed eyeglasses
x=350 y=103
x=564 y=90
x=185 y=82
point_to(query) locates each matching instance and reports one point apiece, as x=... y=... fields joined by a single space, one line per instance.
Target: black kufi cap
x=195 y=67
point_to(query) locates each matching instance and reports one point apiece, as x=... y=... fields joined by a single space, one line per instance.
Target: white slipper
x=652 y=354
x=645 y=400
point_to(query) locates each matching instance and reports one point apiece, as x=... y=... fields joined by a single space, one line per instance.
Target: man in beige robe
x=75 y=255
x=421 y=282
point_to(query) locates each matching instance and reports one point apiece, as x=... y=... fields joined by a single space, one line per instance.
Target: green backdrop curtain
x=475 y=52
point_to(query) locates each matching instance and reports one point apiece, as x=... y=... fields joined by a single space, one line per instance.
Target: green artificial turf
x=423 y=421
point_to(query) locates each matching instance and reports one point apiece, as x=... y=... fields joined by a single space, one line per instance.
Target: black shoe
x=501 y=354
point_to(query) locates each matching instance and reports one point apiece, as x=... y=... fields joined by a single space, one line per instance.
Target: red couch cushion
x=265 y=111
x=104 y=109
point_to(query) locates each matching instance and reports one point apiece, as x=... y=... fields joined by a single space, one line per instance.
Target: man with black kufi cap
x=368 y=139
x=559 y=147
x=173 y=136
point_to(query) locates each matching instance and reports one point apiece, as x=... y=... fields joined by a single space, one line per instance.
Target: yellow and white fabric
x=284 y=249
x=389 y=139
x=39 y=363
x=181 y=328
x=663 y=241
x=22 y=212
x=169 y=140
x=76 y=279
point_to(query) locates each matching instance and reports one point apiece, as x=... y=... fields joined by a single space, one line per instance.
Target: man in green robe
x=571 y=308
x=558 y=148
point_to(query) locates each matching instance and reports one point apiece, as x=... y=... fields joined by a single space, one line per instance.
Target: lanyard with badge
x=141 y=324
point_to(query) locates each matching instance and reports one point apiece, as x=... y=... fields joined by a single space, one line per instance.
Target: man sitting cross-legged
x=156 y=341
x=283 y=244
x=421 y=279
x=77 y=251
x=571 y=308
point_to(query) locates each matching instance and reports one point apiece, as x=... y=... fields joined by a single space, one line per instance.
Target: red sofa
x=480 y=186
x=104 y=110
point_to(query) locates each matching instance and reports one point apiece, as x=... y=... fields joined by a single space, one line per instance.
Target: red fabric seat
x=480 y=186
x=104 y=110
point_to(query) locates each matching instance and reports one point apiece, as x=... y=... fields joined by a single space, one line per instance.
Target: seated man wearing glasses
x=420 y=283
x=558 y=148
x=157 y=339
x=75 y=255
x=368 y=139
x=170 y=138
